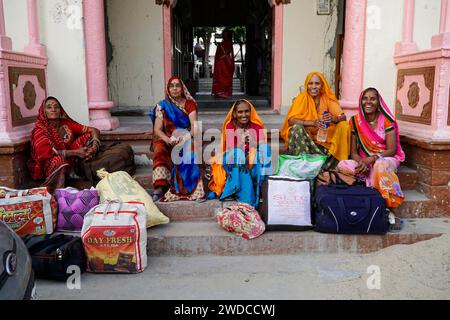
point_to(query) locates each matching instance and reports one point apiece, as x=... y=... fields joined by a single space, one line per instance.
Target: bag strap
x=109 y=203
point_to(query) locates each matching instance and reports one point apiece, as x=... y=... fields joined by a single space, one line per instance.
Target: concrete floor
x=419 y=271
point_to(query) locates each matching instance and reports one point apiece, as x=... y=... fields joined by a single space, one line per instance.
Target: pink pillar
x=277 y=52
x=167 y=42
x=5 y=42
x=442 y=40
x=407 y=45
x=97 y=83
x=353 y=58
x=34 y=46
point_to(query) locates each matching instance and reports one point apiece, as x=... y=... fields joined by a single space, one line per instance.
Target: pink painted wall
x=353 y=57
x=277 y=60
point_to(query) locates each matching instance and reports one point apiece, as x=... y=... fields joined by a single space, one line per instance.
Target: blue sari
x=242 y=182
x=184 y=171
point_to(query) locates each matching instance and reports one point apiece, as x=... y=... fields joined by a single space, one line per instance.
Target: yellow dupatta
x=304 y=108
x=218 y=175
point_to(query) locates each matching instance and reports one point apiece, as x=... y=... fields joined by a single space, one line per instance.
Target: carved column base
x=36 y=49
x=405 y=47
x=441 y=41
x=5 y=43
x=100 y=116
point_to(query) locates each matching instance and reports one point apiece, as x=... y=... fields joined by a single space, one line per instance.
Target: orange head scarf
x=304 y=108
x=254 y=118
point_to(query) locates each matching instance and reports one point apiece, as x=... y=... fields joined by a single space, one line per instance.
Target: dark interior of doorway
x=255 y=16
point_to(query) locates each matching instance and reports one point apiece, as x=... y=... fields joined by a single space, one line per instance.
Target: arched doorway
x=196 y=25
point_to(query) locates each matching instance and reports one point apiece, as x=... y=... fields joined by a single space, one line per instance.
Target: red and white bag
x=27 y=212
x=115 y=238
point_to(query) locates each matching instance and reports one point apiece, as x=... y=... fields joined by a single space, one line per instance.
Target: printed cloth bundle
x=304 y=166
x=242 y=220
x=27 y=212
x=115 y=238
x=73 y=204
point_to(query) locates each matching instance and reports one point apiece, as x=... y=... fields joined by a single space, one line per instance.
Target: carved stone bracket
x=413 y=95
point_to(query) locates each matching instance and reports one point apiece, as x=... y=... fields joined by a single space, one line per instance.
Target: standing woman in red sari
x=57 y=142
x=223 y=68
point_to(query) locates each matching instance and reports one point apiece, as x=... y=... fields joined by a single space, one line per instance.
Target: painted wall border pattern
x=14 y=73
x=428 y=73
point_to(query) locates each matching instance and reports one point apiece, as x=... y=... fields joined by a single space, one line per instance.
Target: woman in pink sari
x=223 y=68
x=376 y=152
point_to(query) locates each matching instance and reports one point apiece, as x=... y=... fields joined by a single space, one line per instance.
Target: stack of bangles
x=98 y=142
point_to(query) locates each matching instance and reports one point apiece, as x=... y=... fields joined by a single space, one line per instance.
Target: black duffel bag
x=53 y=254
x=350 y=210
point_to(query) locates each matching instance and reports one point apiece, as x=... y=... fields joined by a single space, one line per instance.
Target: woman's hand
x=364 y=164
x=327 y=117
x=361 y=168
x=319 y=124
x=80 y=153
x=173 y=141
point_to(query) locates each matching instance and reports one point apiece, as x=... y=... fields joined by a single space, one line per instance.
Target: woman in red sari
x=57 y=142
x=223 y=68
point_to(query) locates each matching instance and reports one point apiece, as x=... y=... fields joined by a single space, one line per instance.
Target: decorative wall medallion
x=29 y=95
x=415 y=90
x=27 y=89
x=413 y=95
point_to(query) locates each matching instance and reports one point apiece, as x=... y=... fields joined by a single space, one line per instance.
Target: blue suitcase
x=350 y=210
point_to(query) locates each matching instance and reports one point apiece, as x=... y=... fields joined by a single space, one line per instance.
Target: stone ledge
x=208 y=238
x=426 y=144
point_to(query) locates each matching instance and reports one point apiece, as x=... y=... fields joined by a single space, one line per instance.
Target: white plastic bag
x=115 y=237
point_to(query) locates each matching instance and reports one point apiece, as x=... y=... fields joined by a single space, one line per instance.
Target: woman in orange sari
x=222 y=86
x=309 y=111
x=376 y=152
x=239 y=170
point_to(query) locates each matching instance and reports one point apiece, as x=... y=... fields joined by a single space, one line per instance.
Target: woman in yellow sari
x=309 y=112
x=239 y=170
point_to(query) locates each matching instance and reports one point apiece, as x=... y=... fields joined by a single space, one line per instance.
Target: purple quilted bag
x=73 y=204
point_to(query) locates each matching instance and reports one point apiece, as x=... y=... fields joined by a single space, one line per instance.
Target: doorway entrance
x=196 y=29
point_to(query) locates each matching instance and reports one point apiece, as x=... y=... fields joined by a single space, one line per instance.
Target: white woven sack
x=115 y=237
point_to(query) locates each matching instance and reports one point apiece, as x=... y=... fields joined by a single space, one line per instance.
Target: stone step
x=190 y=210
x=417 y=205
x=208 y=238
x=407 y=177
x=143 y=176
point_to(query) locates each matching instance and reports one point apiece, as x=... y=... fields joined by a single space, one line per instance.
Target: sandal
x=397 y=226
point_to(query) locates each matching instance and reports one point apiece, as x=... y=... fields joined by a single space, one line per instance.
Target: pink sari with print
x=372 y=141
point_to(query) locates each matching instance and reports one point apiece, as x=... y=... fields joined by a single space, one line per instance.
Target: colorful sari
x=47 y=143
x=183 y=180
x=372 y=141
x=300 y=139
x=239 y=170
x=223 y=70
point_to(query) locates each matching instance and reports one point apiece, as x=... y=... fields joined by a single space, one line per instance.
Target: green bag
x=304 y=166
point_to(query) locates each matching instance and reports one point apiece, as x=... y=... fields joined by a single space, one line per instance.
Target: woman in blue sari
x=239 y=171
x=174 y=124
